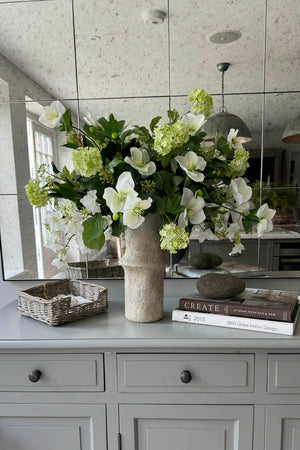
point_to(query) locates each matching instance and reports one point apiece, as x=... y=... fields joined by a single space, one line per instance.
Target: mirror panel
x=282 y=46
x=118 y=54
x=194 y=58
x=129 y=67
x=30 y=35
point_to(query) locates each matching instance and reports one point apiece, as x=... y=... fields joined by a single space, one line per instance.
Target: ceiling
x=122 y=64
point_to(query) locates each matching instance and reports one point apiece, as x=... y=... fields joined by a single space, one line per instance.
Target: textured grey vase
x=144 y=265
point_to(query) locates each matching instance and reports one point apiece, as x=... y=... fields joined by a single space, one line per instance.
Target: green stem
x=87 y=136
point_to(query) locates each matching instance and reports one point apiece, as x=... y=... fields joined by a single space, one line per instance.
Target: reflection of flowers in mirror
x=121 y=174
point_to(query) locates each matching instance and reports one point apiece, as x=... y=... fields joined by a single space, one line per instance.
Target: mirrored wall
x=109 y=57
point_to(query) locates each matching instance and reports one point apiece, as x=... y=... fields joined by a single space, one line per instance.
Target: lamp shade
x=291 y=134
x=222 y=122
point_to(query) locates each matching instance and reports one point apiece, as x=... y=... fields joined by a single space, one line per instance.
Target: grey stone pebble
x=217 y=285
x=205 y=260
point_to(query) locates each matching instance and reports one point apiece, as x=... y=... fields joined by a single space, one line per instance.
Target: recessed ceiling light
x=224 y=37
x=154 y=17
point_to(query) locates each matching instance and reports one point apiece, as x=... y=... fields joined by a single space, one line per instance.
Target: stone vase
x=144 y=267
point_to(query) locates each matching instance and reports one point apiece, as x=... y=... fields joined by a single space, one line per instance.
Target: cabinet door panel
x=152 y=427
x=52 y=427
x=283 y=427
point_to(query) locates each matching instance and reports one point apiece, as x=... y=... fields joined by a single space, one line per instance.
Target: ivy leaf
x=66 y=190
x=66 y=121
x=154 y=122
x=93 y=236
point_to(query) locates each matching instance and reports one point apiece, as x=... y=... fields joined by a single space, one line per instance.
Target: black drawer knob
x=185 y=376
x=35 y=375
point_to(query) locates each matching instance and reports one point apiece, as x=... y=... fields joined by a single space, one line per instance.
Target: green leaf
x=116 y=161
x=247 y=224
x=154 y=122
x=66 y=190
x=55 y=169
x=66 y=121
x=173 y=115
x=111 y=125
x=93 y=236
x=70 y=145
x=118 y=228
x=170 y=204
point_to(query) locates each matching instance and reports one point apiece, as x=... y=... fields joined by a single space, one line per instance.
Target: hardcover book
x=241 y=323
x=256 y=303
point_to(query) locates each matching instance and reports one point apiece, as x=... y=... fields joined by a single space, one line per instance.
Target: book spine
x=257 y=312
x=245 y=323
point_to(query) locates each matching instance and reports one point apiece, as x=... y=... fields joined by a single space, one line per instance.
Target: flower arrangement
x=122 y=174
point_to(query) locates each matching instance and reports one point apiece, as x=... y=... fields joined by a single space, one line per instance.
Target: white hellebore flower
x=240 y=191
x=52 y=114
x=89 y=201
x=193 y=122
x=115 y=199
x=193 y=211
x=192 y=164
x=134 y=207
x=265 y=215
x=237 y=249
x=90 y=120
x=140 y=161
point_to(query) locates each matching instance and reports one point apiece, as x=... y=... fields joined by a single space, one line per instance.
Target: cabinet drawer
x=185 y=373
x=284 y=373
x=51 y=372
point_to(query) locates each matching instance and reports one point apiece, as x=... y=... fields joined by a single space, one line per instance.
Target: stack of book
x=269 y=311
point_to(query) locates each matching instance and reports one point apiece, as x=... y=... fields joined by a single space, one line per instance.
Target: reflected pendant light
x=291 y=134
x=222 y=122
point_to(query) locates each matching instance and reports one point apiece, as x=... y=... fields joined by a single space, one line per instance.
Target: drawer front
x=284 y=374
x=40 y=372
x=185 y=373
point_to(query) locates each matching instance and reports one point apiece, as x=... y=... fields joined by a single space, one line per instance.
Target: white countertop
x=111 y=330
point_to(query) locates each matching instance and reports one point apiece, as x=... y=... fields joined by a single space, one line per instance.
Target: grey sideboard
x=105 y=383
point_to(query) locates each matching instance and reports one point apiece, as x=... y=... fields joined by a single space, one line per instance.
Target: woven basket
x=37 y=302
x=96 y=269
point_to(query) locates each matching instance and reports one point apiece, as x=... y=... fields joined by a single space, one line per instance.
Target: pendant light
x=291 y=134
x=222 y=122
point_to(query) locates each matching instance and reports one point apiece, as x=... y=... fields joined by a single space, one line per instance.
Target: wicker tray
x=37 y=302
x=96 y=268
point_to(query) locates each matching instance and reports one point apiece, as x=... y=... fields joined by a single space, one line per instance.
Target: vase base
x=143 y=312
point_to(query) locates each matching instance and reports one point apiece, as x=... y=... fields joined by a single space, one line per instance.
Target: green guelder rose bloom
x=265 y=215
x=168 y=137
x=194 y=209
x=52 y=114
x=173 y=238
x=87 y=160
x=140 y=161
x=134 y=206
x=202 y=102
x=193 y=122
x=115 y=199
x=192 y=164
x=239 y=163
x=36 y=194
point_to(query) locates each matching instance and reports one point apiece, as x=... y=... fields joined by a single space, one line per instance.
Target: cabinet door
x=283 y=427
x=177 y=427
x=52 y=427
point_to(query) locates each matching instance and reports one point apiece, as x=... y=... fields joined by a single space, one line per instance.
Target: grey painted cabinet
x=193 y=427
x=108 y=384
x=52 y=427
x=283 y=427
